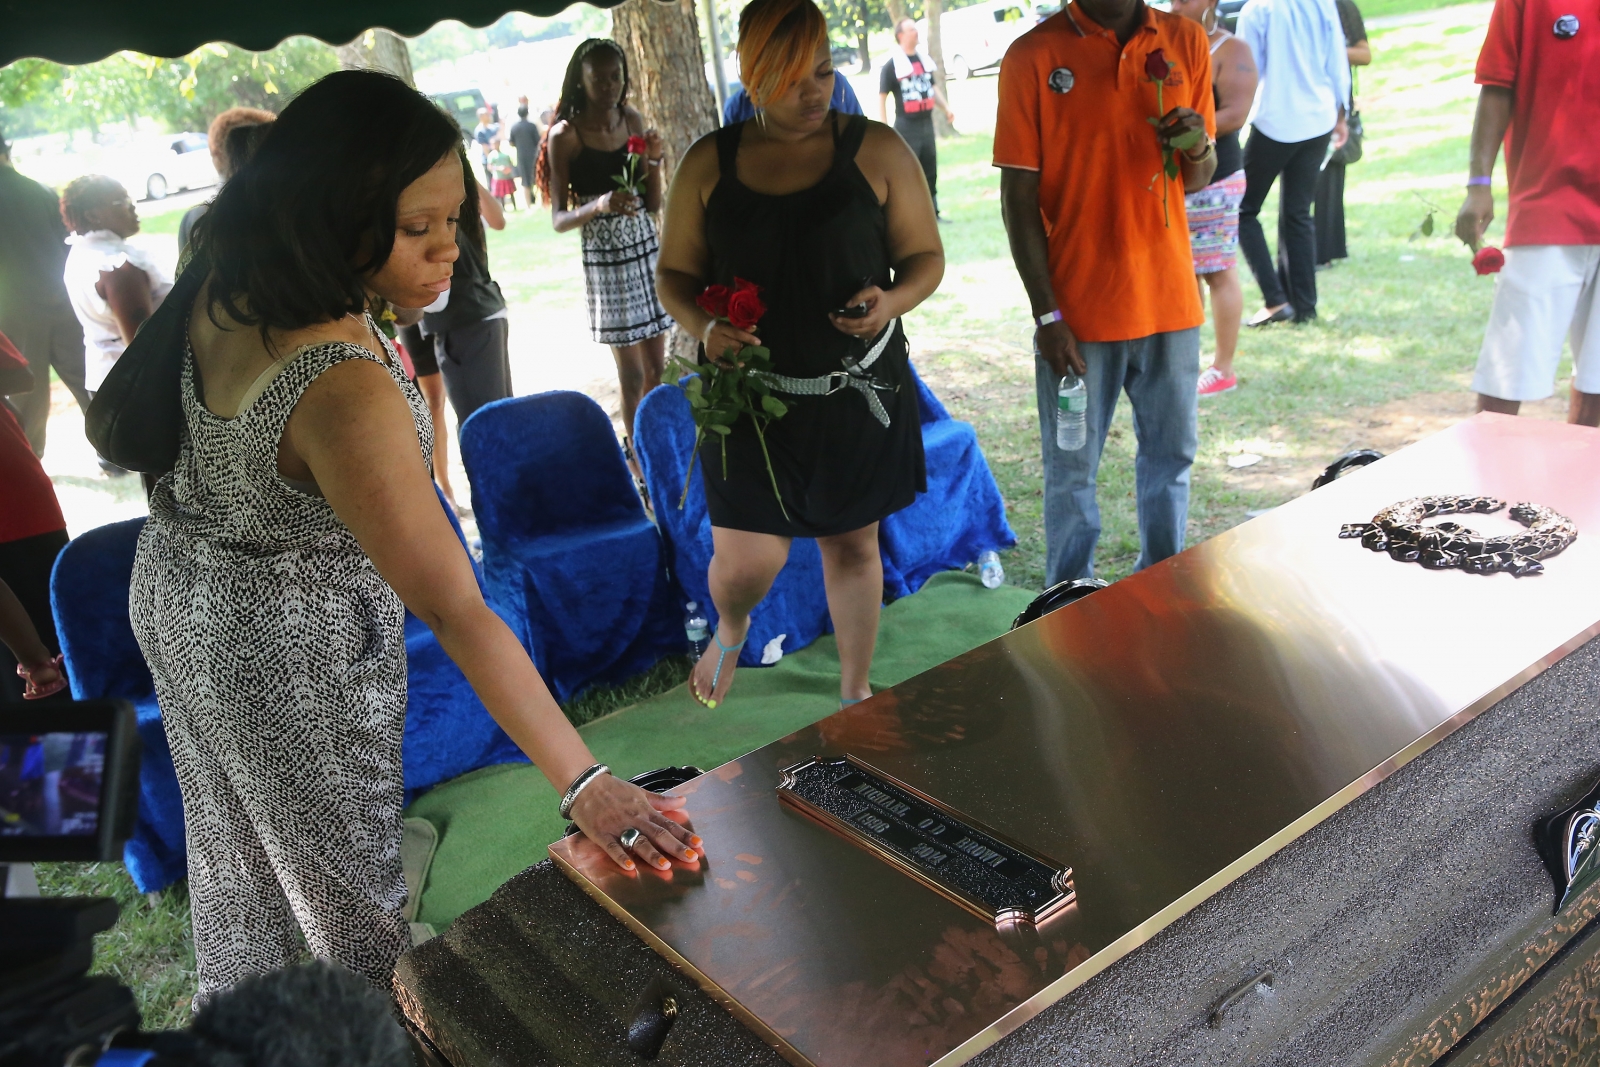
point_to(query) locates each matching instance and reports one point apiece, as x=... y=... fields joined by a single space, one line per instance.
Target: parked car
x=463 y=107
x=184 y=164
x=1228 y=13
x=976 y=38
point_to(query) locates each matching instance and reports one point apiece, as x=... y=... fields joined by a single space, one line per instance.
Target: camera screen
x=50 y=784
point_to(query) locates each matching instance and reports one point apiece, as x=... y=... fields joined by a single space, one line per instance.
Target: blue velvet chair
x=567 y=549
x=961 y=515
x=795 y=607
x=89 y=598
x=448 y=731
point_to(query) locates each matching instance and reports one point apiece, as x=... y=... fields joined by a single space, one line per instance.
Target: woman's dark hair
x=574 y=99
x=85 y=194
x=293 y=233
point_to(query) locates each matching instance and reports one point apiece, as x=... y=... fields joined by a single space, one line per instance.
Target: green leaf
x=1186 y=140
x=1172 y=168
x=774 y=407
x=1427 y=225
x=723 y=430
x=1154 y=122
x=756 y=352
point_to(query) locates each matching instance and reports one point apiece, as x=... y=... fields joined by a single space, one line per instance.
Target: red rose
x=714 y=301
x=745 y=307
x=740 y=285
x=636 y=146
x=1489 y=260
x=1156 y=67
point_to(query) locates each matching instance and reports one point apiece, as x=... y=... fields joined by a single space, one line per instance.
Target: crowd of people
x=300 y=517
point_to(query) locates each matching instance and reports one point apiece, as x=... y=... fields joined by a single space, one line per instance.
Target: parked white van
x=975 y=38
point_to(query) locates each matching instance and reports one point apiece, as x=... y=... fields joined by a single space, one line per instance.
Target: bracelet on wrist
x=1483 y=179
x=1211 y=146
x=1048 y=317
x=579 y=784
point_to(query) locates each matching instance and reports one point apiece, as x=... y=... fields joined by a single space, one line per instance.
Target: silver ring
x=630 y=837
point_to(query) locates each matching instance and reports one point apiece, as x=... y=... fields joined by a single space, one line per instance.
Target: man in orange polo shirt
x=1094 y=102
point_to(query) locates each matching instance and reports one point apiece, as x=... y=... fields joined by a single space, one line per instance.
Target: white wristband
x=1048 y=317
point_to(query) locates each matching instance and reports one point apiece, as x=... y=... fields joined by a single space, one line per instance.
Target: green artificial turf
x=494 y=822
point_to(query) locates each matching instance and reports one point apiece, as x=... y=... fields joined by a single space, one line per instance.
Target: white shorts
x=1544 y=293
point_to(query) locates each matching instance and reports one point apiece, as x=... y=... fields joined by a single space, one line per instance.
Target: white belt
x=854 y=376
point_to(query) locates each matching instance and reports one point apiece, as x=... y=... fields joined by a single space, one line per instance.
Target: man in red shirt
x=1098 y=233
x=1538 y=71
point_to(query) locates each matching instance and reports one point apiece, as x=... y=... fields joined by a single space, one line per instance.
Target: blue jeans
x=1160 y=374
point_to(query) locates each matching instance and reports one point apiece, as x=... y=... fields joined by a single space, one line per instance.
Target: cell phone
x=856 y=311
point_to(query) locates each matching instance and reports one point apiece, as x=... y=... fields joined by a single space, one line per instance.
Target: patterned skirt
x=1214 y=223
x=619 y=272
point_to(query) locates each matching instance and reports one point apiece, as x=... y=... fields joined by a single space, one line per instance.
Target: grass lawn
x=1398 y=335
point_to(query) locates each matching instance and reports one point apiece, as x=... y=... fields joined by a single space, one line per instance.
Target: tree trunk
x=941 y=125
x=667 y=75
x=861 y=37
x=897 y=12
x=378 y=50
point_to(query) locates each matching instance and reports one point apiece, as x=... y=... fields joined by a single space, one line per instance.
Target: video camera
x=69 y=789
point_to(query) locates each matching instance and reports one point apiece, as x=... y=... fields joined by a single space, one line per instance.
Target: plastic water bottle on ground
x=694 y=628
x=1072 y=407
x=990 y=571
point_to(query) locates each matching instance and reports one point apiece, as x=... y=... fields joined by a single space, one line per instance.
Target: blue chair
x=567 y=549
x=448 y=731
x=961 y=515
x=89 y=598
x=796 y=607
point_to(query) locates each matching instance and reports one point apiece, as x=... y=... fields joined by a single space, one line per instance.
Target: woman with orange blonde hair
x=830 y=216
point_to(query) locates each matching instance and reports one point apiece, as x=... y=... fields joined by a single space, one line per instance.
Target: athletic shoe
x=1213 y=381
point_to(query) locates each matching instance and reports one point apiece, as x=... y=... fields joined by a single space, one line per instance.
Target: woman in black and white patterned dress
x=587 y=151
x=270 y=581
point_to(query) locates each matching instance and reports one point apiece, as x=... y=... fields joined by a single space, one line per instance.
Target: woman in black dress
x=824 y=212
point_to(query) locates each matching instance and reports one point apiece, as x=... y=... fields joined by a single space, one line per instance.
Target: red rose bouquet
x=720 y=391
x=631 y=180
x=1156 y=68
x=1488 y=260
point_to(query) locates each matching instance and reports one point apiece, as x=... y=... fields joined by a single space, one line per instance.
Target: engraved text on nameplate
x=967 y=863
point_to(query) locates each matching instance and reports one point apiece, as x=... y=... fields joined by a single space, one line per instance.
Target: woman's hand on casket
x=610 y=806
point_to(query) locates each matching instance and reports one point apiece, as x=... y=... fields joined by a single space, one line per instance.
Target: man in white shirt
x=1299 y=48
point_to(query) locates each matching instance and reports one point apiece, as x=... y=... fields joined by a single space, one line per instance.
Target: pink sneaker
x=1213 y=381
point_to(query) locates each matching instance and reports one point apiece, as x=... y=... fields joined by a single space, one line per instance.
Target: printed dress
x=619 y=256
x=279 y=662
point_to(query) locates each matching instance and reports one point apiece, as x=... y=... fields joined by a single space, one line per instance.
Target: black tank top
x=594 y=172
x=809 y=250
x=1230 y=157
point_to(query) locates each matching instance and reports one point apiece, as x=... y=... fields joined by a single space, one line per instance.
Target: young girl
x=587 y=152
x=502 y=174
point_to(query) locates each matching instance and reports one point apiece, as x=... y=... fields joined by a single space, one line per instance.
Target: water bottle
x=990 y=571
x=1072 y=406
x=694 y=628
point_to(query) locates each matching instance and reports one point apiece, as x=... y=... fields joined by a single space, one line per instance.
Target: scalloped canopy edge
x=88 y=30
